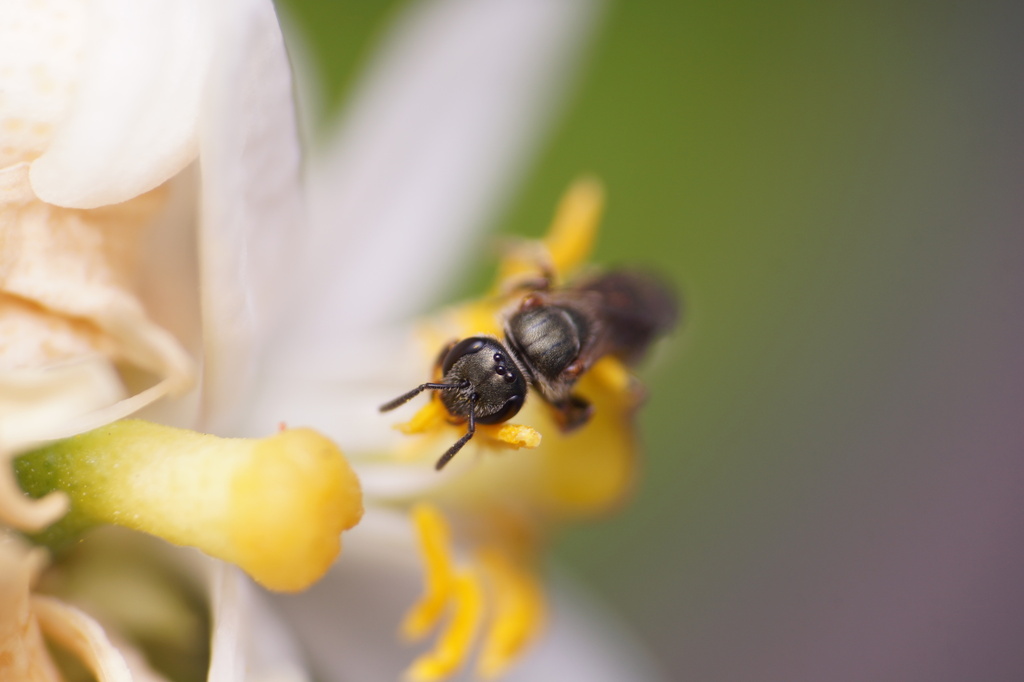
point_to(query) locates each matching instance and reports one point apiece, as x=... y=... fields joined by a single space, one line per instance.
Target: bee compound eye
x=508 y=410
x=498 y=410
x=473 y=344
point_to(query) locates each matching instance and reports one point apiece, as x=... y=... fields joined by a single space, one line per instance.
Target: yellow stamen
x=439 y=572
x=574 y=230
x=428 y=418
x=454 y=644
x=568 y=243
x=613 y=375
x=482 y=317
x=518 y=612
x=446 y=588
x=511 y=499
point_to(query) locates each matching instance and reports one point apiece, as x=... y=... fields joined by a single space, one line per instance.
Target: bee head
x=491 y=386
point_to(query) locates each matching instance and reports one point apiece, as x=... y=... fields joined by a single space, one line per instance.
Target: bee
x=552 y=336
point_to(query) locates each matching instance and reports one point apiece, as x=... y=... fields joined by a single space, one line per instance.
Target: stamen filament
x=517 y=612
x=439 y=572
x=454 y=644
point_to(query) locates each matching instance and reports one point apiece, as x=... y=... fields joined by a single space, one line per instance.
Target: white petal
x=132 y=122
x=249 y=643
x=340 y=385
x=585 y=642
x=436 y=135
x=349 y=620
x=449 y=113
x=251 y=204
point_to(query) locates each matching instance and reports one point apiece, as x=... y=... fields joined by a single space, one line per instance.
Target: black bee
x=552 y=337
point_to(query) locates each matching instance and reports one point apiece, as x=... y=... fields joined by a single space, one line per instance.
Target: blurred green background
x=833 y=456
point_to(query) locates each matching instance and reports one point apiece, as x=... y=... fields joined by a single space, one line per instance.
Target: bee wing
x=618 y=313
x=626 y=311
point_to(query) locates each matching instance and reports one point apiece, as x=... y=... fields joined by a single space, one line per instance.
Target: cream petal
x=251 y=203
x=23 y=654
x=34 y=401
x=169 y=253
x=34 y=404
x=75 y=631
x=40 y=58
x=132 y=122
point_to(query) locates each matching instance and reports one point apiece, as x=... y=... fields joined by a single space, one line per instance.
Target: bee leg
x=542 y=280
x=572 y=413
x=453 y=450
x=532 y=300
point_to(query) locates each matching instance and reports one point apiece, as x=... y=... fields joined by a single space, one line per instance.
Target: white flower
x=428 y=151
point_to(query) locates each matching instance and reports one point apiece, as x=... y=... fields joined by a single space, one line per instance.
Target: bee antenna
x=406 y=397
x=454 y=449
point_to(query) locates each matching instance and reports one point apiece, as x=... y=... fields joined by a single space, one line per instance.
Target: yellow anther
x=454 y=644
x=439 y=572
x=518 y=436
x=517 y=612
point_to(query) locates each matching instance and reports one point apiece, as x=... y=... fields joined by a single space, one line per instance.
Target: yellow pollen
x=518 y=436
x=433 y=418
